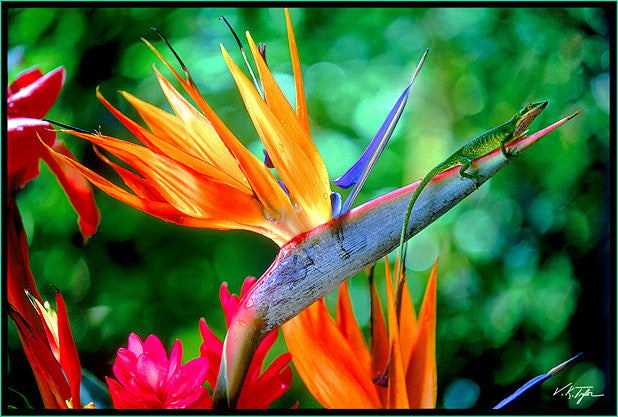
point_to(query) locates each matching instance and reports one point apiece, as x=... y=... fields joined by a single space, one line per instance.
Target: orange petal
x=397 y=393
x=295 y=169
x=163 y=124
x=188 y=86
x=226 y=152
x=301 y=104
x=281 y=108
x=137 y=184
x=407 y=324
x=187 y=190
x=278 y=103
x=263 y=183
x=379 y=337
x=346 y=321
x=238 y=218
x=200 y=132
x=326 y=362
x=422 y=374
x=156 y=208
x=176 y=151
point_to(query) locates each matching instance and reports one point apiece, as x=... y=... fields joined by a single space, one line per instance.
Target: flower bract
x=51 y=351
x=259 y=389
x=45 y=335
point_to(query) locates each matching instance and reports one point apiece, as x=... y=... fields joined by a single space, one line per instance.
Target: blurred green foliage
x=524 y=262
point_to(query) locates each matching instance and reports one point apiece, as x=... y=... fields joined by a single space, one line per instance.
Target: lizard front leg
x=466 y=163
x=506 y=154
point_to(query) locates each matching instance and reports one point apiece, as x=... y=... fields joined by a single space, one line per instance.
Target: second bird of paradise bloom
x=397 y=369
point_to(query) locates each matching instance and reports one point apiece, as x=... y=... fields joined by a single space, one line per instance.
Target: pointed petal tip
x=519 y=145
x=358 y=173
x=558 y=368
x=419 y=66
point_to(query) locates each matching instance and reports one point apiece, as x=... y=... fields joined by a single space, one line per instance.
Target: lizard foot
x=508 y=155
x=474 y=178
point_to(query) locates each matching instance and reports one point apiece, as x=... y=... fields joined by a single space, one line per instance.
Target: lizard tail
x=417 y=192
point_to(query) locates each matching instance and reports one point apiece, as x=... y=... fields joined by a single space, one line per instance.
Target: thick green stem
x=238 y=350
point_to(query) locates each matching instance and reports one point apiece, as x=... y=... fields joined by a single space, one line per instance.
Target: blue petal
x=284 y=187
x=535 y=381
x=352 y=176
x=357 y=175
x=556 y=369
x=335 y=202
x=267 y=160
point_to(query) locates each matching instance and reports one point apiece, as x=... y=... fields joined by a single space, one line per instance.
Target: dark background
x=524 y=270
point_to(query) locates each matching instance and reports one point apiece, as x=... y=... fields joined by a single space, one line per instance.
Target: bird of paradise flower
x=195 y=172
x=397 y=370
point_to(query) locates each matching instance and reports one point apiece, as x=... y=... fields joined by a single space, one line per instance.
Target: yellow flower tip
x=226 y=56
x=100 y=95
x=50 y=319
x=153 y=49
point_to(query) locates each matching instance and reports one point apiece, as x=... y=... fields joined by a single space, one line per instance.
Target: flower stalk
x=316 y=262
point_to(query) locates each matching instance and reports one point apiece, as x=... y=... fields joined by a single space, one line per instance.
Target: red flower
x=47 y=340
x=49 y=346
x=29 y=98
x=258 y=391
x=148 y=380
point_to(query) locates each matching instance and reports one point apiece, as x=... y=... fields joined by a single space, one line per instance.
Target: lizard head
x=526 y=116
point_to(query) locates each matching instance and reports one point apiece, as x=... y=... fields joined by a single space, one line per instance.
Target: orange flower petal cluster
x=397 y=370
x=193 y=171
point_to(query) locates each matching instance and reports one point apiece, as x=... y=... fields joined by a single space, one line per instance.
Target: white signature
x=578 y=393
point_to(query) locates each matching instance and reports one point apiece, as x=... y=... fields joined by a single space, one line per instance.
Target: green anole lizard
x=474 y=149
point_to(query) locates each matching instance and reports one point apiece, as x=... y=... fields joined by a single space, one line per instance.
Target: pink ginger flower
x=146 y=379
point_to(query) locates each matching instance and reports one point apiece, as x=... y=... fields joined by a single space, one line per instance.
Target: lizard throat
x=526 y=120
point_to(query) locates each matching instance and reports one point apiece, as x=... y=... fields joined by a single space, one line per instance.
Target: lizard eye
x=528 y=107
